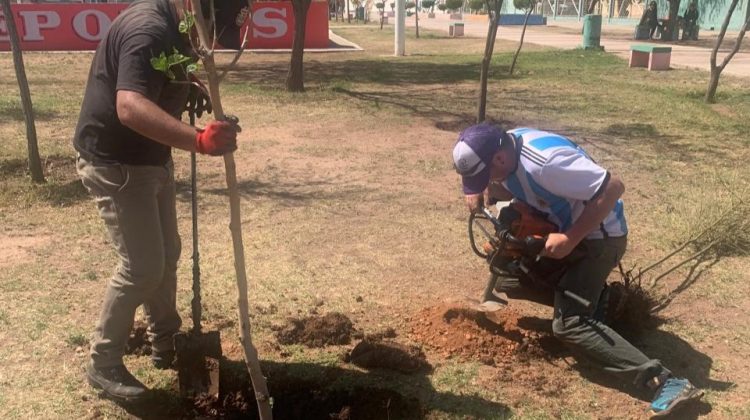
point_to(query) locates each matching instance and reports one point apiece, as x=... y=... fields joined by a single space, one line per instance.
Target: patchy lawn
x=350 y=205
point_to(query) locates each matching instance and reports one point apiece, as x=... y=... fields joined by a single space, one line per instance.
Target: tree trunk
x=295 y=80
x=348 y=13
x=494 y=15
x=35 y=163
x=252 y=363
x=713 y=82
x=416 y=16
x=669 y=31
x=520 y=43
x=592 y=7
x=382 y=15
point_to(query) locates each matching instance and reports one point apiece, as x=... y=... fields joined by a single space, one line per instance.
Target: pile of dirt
x=317 y=331
x=388 y=354
x=453 y=331
x=138 y=342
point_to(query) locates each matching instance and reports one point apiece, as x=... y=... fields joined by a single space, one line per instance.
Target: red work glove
x=217 y=138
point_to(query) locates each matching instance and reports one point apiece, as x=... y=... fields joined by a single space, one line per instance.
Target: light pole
x=399 y=42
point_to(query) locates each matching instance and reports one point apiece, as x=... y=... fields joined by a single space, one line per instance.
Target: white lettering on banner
x=103 y=21
x=261 y=20
x=33 y=24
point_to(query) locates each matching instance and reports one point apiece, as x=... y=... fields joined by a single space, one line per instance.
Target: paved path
x=615 y=39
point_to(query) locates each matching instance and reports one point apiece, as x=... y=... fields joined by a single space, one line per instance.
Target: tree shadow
x=693 y=274
x=614 y=136
x=424 y=105
x=62 y=187
x=13 y=111
x=302 y=390
x=383 y=72
x=285 y=194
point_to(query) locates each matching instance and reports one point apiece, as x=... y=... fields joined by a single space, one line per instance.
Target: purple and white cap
x=473 y=153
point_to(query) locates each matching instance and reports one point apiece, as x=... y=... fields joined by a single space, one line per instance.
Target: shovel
x=197 y=352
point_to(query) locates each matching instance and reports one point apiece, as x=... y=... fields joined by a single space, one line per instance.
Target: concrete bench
x=508 y=19
x=456 y=29
x=651 y=56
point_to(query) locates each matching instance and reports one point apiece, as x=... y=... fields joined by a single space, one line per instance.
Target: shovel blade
x=197 y=362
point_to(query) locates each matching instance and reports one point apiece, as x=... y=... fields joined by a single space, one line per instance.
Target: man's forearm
x=596 y=210
x=143 y=116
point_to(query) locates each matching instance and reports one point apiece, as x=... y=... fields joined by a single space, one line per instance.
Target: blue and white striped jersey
x=557 y=177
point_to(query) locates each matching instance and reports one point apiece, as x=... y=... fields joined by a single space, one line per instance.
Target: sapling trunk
x=523 y=34
x=713 y=82
x=484 y=73
x=235 y=226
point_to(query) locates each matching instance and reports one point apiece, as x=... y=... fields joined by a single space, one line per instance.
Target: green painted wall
x=712 y=13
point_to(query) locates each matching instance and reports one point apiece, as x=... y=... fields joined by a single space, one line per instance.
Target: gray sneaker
x=116 y=383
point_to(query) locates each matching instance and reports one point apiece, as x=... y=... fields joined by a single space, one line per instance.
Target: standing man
x=650 y=19
x=555 y=176
x=128 y=125
x=690 y=22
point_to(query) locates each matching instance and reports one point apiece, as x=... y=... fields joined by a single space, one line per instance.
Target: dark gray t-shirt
x=123 y=62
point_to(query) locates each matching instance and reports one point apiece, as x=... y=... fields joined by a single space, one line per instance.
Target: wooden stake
x=235 y=226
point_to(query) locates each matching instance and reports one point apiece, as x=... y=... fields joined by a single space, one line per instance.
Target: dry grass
x=348 y=192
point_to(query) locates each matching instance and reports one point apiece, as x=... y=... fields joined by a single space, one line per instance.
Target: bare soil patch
x=317 y=331
x=455 y=331
x=17 y=249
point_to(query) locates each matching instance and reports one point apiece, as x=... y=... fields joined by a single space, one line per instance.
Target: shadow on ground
x=13 y=111
x=285 y=194
x=675 y=353
x=386 y=72
x=62 y=187
x=313 y=391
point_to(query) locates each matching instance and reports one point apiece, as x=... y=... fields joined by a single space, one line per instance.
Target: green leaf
x=160 y=62
x=187 y=23
x=165 y=63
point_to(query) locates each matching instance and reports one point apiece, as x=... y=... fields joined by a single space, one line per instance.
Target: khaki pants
x=137 y=205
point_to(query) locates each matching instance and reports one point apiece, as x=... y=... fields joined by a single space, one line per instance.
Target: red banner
x=71 y=27
x=273 y=25
x=50 y=27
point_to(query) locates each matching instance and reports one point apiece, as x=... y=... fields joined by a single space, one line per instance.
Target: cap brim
x=476 y=184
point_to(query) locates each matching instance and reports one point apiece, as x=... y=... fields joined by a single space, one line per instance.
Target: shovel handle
x=195 y=303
